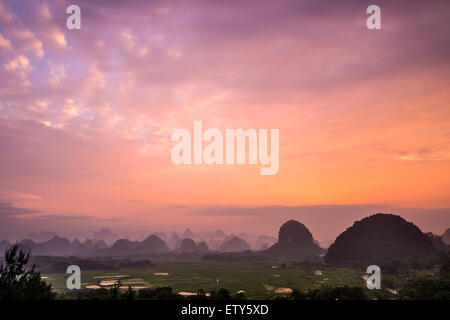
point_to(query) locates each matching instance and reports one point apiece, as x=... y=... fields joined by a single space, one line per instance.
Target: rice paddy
x=258 y=280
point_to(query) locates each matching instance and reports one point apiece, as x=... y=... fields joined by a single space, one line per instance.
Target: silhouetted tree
x=337 y=293
x=130 y=294
x=201 y=295
x=18 y=281
x=426 y=289
x=221 y=294
x=298 y=295
x=158 y=293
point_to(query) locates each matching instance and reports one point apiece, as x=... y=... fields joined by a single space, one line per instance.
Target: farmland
x=259 y=280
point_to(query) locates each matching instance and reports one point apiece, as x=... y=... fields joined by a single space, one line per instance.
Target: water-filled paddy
x=258 y=280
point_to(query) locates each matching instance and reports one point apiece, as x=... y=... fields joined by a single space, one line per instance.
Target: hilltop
x=295 y=241
x=378 y=238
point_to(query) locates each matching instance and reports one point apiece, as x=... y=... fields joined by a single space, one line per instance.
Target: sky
x=86 y=116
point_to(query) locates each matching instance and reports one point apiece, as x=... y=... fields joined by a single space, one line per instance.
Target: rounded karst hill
x=152 y=244
x=234 y=244
x=202 y=247
x=378 y=238
x=296 y=241
x=187 y=245
x=446 y=236
x=4 y=244
x=188 y=233
x=121 y=246
x=294 y=233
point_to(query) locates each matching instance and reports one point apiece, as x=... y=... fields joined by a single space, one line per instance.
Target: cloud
x=435 y=153
x=28 y=41
x=57 y=72
x=21 y=67
x=20 y=64
x=57 y=217
x=128 y=38
x=5 y=15
x=16 y=222
x=44 y=12
x=5 y=43
x=60 y=38
x=7 y=209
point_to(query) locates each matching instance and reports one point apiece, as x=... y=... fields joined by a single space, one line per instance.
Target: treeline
x=404 y=269
x=158 y=293
x=49 y=264
x=422 y=289
x=21 y=281
x=246 y=256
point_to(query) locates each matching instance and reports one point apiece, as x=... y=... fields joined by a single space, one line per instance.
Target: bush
x=18 y=281
x=426 y=289
x=331 y=293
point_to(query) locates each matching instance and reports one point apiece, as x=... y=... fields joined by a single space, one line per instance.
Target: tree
x=19 y=281
x=158 y=293
x=129 y=294
x=336 y=293
x=426 y=289
x=221 y=294
x=298 y=295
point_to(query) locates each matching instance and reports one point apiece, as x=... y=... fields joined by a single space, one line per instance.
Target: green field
x=258 y=280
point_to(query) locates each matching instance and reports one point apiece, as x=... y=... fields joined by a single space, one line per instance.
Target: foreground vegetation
x=175 y=279
x=263 y=280
x=19 y=281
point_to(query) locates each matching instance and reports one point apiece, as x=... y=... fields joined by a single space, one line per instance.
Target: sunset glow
x=86 y=116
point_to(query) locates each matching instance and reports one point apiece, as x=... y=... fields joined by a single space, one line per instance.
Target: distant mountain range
x=58 y=246
x=124 y=247
x=371 y=240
